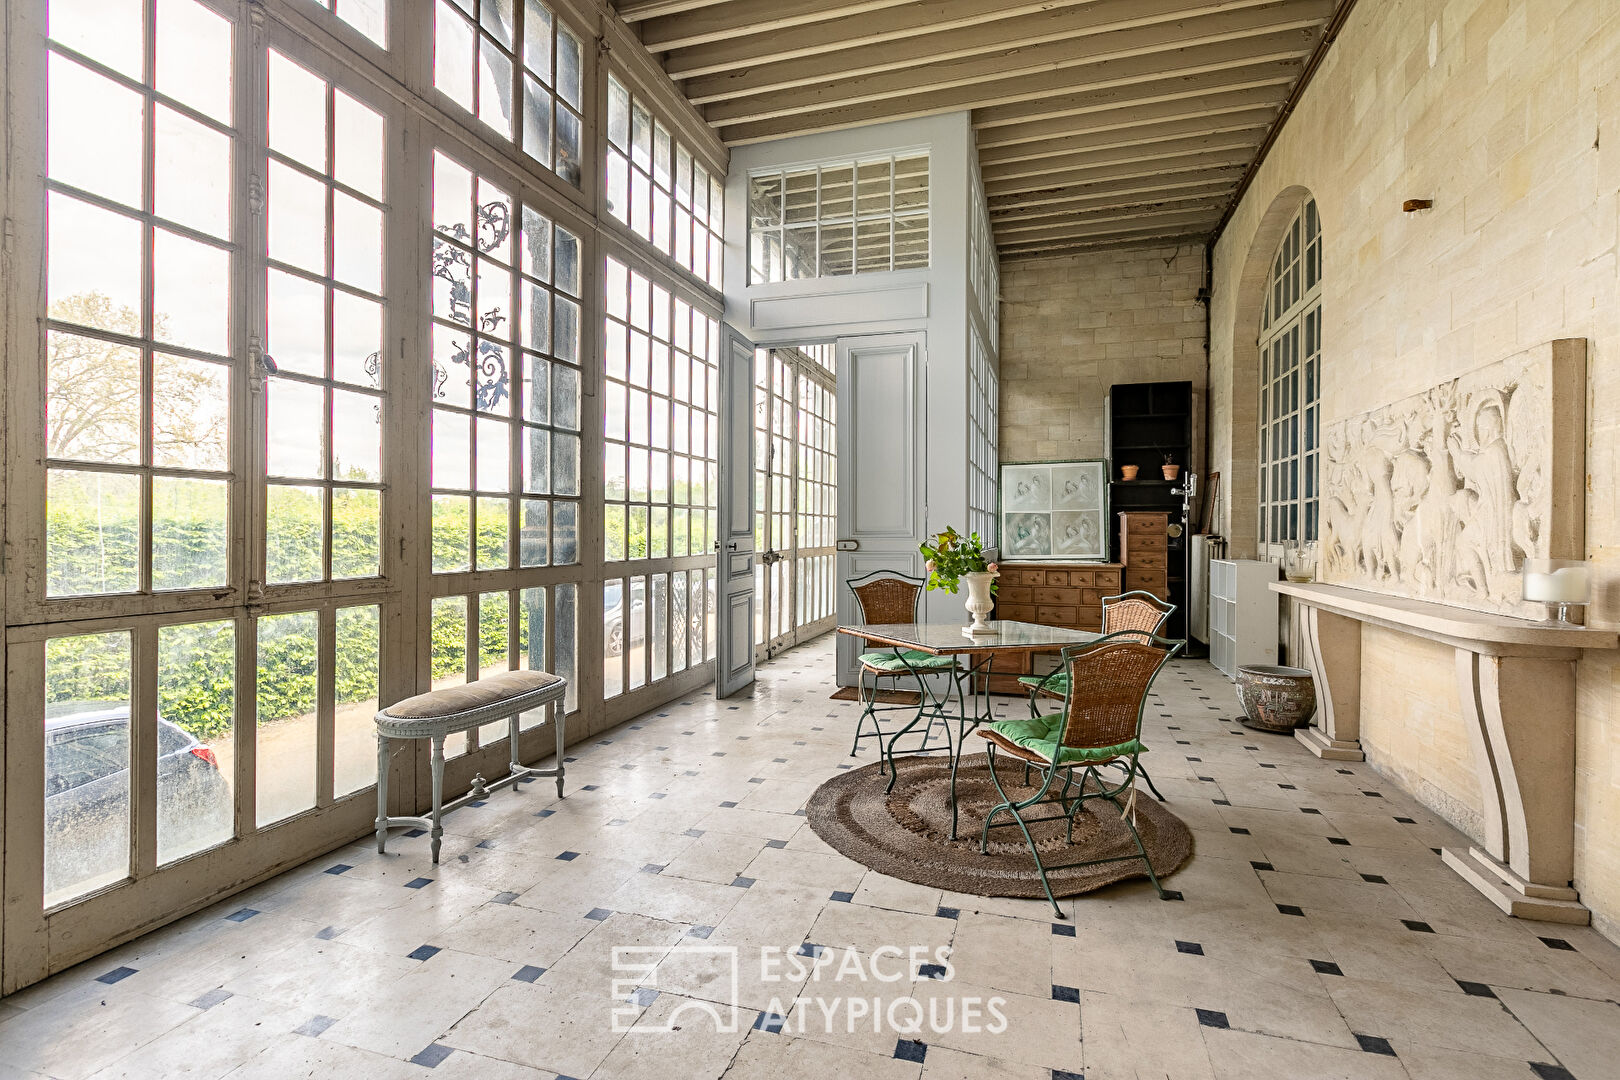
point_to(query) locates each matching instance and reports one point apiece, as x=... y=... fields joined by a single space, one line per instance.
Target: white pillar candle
x=1566 y=585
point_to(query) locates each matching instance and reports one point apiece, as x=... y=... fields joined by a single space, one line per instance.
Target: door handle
x=731 y=546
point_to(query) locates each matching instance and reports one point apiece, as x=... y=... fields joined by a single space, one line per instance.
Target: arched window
x=1291 y=387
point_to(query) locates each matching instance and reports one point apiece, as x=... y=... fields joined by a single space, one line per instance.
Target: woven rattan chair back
x=1109 y=681
x=889 y=598
x=1134 y=611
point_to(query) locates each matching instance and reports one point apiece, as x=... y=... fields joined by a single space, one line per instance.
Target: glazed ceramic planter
x=1276 y=698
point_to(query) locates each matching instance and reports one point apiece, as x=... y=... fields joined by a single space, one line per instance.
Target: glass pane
x=536 y=120
x=356 y=532
x=92 y=532
x=190 y=532
x=87 y=709
x=658 y=630
x=193 y=174
x=531 y=645
x=615 y=632
x=357 y=230
x=370 y=17
x=564 y=627
x=191 y=289
x=294 y=526
x=493 y=531
x=356 y=339
x=494 y=624
x=296 y=421
x=106 y=30
x=872 y=246
x=451 y=450
x=297 y=317
x=537 y=39
x=452 y=533
x=297 y=112
x=535 y=536
x=95 y=129
x=564 y=533
x=92 y=399
x=194 y=57
x=297 y=219
x=286 y=726
x=196 y=746
x=94 y=260
x=354 y=751
x=837 y=250
x=447 y=663
x=357 y=145
x=495 y=88
x=453 y=44
x=568 y=66
x=356 y=436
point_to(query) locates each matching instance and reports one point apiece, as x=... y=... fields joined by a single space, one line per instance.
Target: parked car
x=613 y=619
x=87 y=792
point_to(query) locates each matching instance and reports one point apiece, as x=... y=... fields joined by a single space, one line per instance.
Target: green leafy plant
x=950 y=555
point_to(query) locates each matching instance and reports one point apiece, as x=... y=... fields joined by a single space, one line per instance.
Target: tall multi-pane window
x=1291 y=387
x=843 y=217
x=138 y=304
x=506 y=378
x=656 y=187
x=983 y=442
x=520 y=70
x=660 y=458
x=324 y=181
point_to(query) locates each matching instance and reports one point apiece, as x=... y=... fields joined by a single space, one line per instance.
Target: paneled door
x=881 y=466
x=734 y=607
x=795 y=494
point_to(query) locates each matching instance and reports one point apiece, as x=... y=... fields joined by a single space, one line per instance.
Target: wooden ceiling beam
x=1055 y=251
x=1121 y=171
x=1024 y=42
x=1126 y=77
x=1125 y=213
x=1154 y=180
x=1014 y=139
x=1271 y=76
x=1139 y=134
x=719 y=22
x=1188 y=221
x=1111 y=200
x=632 y=11
x=1225 y=37
x=1245 y=141
x=911 y=20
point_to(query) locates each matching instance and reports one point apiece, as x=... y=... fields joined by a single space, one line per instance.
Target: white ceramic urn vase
x=979 y=602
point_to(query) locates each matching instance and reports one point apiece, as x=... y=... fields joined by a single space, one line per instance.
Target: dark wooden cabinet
x=1051 y=594
x=1145 y=422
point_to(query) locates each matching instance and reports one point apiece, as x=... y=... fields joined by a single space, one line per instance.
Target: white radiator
x=1198 y=588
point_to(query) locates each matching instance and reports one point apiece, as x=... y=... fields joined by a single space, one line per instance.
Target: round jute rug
x=904 y=833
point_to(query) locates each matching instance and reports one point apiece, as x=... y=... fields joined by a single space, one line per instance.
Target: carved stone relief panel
x=1440 y=496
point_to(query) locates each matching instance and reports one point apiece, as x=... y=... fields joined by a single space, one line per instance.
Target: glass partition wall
x=354 y=351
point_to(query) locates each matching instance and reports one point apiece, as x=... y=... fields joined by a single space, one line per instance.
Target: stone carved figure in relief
x=1442 y=495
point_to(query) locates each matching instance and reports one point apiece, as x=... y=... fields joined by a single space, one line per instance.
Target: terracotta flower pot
x=1171 y=471
x=1127 y=472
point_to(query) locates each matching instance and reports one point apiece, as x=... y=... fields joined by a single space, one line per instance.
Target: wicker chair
x=1100 y=724
x=888 y=597
x=1140 y=611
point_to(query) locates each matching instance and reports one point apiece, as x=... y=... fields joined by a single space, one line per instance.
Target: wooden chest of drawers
x=1052 y=594
x=1143 y=549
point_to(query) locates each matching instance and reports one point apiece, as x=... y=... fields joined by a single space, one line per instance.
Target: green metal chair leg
x=1012 y=808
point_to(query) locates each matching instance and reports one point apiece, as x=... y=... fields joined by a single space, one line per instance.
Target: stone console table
x=1517 y=684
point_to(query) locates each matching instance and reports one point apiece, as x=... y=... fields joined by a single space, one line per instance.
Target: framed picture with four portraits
x=1054 y=510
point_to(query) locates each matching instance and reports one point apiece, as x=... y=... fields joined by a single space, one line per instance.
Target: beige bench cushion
x=478 y=696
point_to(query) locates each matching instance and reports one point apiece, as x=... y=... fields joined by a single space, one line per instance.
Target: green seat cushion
x=915 y=658
x=1040 y=735
x=1052 y=684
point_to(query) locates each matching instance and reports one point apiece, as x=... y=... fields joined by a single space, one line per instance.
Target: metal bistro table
x=950 y=639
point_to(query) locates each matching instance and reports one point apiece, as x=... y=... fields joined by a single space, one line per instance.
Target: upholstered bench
x=441 y=713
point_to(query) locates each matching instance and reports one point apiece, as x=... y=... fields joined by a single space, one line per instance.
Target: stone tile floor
x=1317 y=934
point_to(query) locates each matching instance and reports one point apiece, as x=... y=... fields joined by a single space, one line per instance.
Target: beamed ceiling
x=1099 y=122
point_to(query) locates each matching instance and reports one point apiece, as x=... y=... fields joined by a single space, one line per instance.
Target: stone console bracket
x=1517 y=684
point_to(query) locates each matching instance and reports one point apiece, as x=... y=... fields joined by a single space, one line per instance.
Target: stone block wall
x=1506 y=113
x=1075 y=325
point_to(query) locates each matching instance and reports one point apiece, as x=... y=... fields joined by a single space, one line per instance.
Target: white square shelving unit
x=1242 y=614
